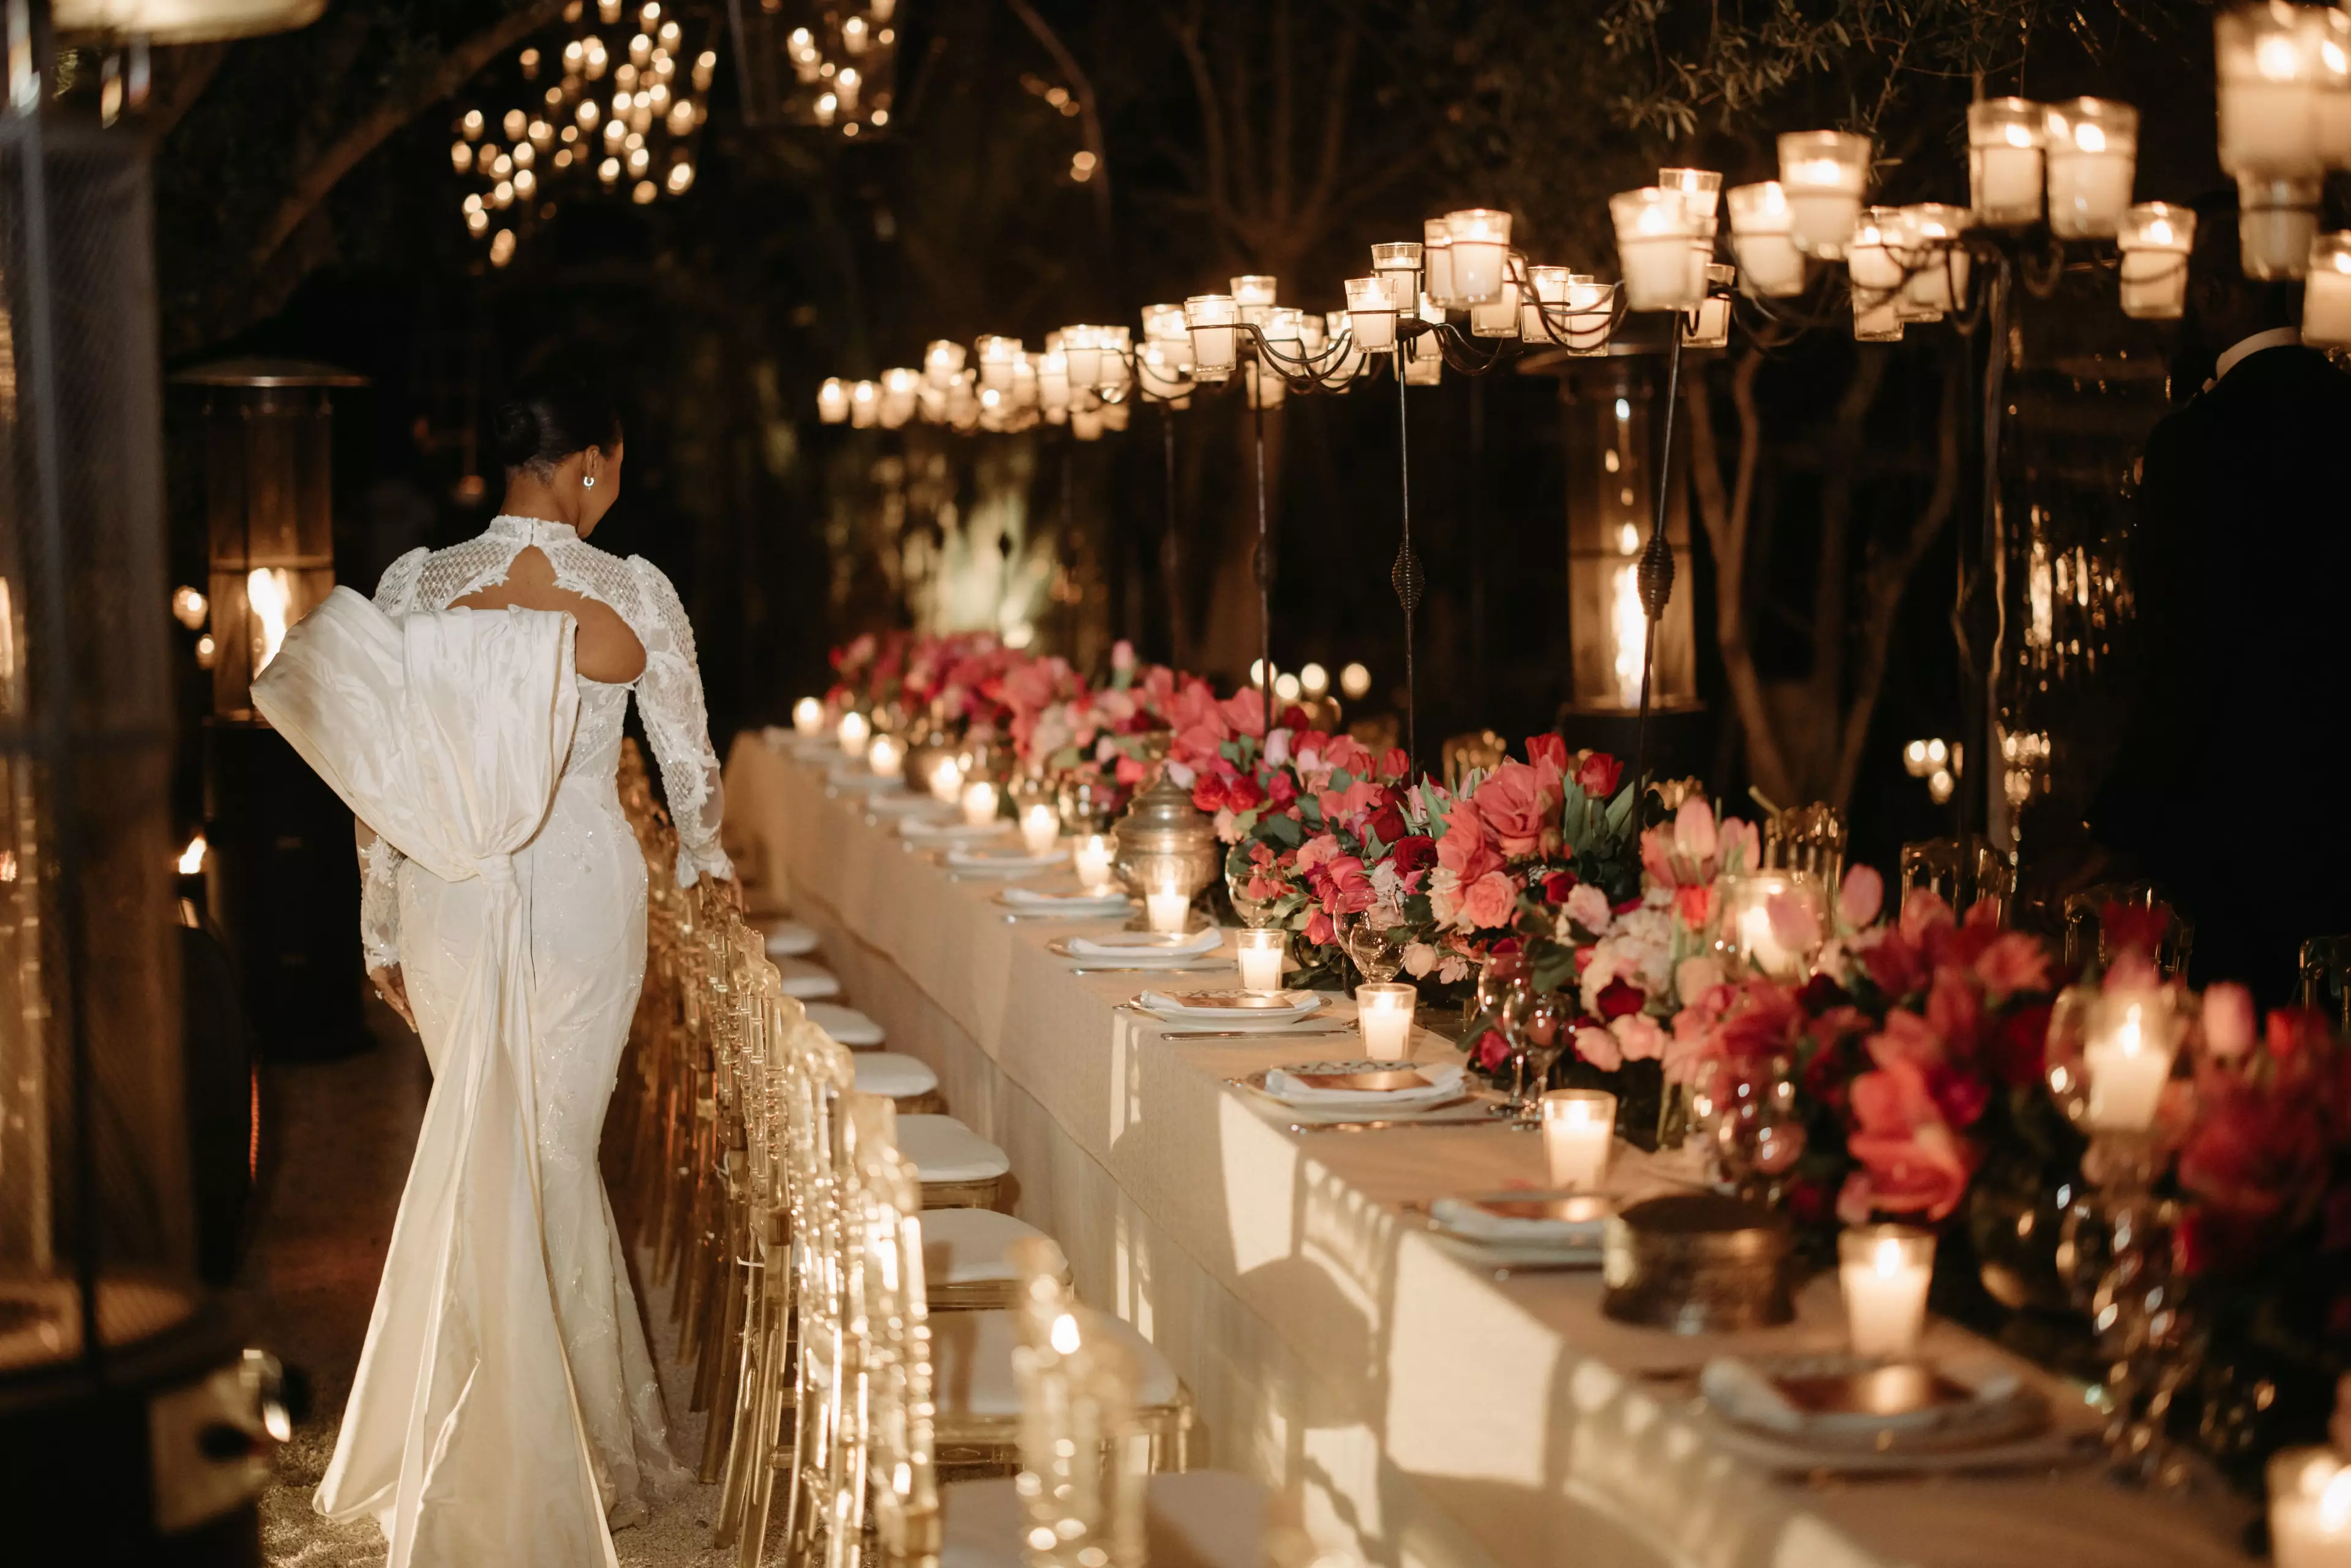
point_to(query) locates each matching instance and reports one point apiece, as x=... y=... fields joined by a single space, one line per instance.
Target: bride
x=471 y=1441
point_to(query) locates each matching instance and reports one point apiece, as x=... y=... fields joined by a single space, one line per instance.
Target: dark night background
x=306 y=206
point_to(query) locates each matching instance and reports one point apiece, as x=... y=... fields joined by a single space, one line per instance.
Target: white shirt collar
x=2244 y=349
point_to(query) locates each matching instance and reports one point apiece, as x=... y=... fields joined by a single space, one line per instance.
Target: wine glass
x=1546 y=1023
x=1371 y=945
x=1253 y=912
x=1746 y=1112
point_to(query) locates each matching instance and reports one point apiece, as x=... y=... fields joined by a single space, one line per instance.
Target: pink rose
x=1345 y=752
x=1912 y=1162
x=1463 y=851
x=1600 y=1047
x=1906 y=1037
x=1639 y=1035
x=1488 y=902
x=1861 y=898
x=2012 y=963
x=2229 y=1021
x=1588 y=908
x=1318 y=848
x=1419 y=958
x=1520 y=804
x=1343 y=885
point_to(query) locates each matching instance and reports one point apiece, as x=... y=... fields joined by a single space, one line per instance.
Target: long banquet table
x=1393 y=1393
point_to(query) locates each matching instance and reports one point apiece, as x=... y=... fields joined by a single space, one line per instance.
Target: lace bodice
x=668 y=691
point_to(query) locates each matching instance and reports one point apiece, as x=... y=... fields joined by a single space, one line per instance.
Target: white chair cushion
x=847 y=1026
x=809 y=982
x=893 y=1075
x=943 y=1149
x=1200 y=1518
x=971 y=1362
x=790 y=938
x=967 y=1246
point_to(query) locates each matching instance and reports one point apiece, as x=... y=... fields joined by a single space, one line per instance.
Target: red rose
x=1244 y=794
x=1387 y=822
x=1293 y=718
x=1283 y=792
x=1617 y=998
x=1819 y=994
x=1413 y=853
x=1395 y=763
x=1539 y=747
x=1558 y=885
x=1493 y=1051
x=1626 y=906
x=1208 y=794
x=1320 y=932
x=1598 y=773
x=2134 y=926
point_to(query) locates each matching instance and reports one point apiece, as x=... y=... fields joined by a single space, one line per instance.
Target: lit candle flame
x=269 y=593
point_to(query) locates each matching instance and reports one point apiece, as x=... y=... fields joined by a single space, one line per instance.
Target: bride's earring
x=589 y=483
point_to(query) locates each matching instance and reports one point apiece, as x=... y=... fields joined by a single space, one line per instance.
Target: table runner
x=1400 y=1397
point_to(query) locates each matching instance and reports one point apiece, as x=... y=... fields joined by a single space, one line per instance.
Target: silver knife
x=1249 y=1033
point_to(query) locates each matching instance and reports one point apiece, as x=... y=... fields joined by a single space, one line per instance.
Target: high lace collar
x=506 y=525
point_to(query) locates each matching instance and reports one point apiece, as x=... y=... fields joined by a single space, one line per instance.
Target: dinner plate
x=998 y=862
x=1366 y=1086
x=905 y=805
x=862 y=778
x=1142 y=958
x=1523 y=1230
x=1469 y=1110
x=915 y=830
x=1119 y=944
x=1231 y=1010
x=1862 y=1403
x=1065 y=906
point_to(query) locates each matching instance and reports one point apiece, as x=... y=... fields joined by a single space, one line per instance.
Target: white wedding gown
x=465 y=1460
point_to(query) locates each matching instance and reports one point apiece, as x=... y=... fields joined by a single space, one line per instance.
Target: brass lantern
x=268 y=441
x=1164 y=843
x=1609 y=418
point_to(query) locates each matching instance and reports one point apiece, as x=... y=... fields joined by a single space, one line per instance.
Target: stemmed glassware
x=1751 y=1131
x=1253 y=912
x=1372 y=944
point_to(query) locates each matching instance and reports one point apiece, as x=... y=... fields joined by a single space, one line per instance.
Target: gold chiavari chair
x=2087 y=938
x=2326 y=978
x=1481 y=750
x=1961 y=879
x=1810 y=840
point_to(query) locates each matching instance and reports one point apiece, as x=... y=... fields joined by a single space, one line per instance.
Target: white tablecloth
x=1396 y=1395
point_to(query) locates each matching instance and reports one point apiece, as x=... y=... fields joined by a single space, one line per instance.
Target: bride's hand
x=392 y=988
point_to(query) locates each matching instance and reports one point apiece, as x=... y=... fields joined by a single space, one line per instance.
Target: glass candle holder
x=1934 y=263
x=1253 y=295
x=2006 y=137
x=2326 y=293
x=1699 y=189
x=1876 y=276
x=2276 y=221
x=1091 y=855
x=1591 y=314
x=1424 y=359
x=886 y=755
x=1885 y=1271
x=1711 y=327
x=1371 y=314
x=1578 y=1128
x=1167 y=910
x=2310 y=1509
x=2130 y=1042
x=941 y=363
x=2155 y=237
x=2268 y=89
x=2092 y=156
x=832 y=401
x=1770 y=922
x=1040 y=827
x=1383 y=1010
x=1436 y=261
x=1262 y=949
x=979 y=799
x=946 y=781
x=1397 y=265
x=807 y=716
x=1210 y=317
x=1770 y=264
x=998 y=356
x=1480 y=255
x=864 y=404
x=1545 y=285
x=853 y=732
x=1653 y=243
x=1822 y=173
x=1498 y=317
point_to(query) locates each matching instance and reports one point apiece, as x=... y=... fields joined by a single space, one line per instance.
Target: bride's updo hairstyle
x=547 y=422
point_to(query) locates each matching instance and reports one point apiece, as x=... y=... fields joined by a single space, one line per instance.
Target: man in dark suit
x=2229 y=788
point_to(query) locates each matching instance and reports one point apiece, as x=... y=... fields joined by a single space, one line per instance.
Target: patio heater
x=134 y=1428
x=281 y=879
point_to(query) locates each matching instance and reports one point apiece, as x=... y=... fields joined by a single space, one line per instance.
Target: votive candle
x=946 y=781
x=1822 y=173
x=2092 y=154
x=1578 y=1128
x=1262 y=949
x=979 y=803
x=2005 y=139
x=1885 y=1270
x=807 y=716
x=2326 y=293
x=2155 y=237
x=2127 y=1061
x=1041 y=825
x=1167 y=910
x=2310 y=1510
x=1384 y=1010
x=886 y=754
x=1770 y=264
x=1090 y=853
x=1653 y=247
x=854 y=732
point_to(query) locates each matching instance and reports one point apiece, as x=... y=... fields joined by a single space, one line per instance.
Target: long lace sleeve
x=669 y=698
x=379 y=862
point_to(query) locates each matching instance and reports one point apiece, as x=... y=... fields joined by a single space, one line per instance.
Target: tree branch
x=1726 y=520
x=1089 y=115
x=448 y=74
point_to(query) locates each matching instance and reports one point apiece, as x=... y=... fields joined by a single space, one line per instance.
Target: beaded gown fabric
x=581 y=881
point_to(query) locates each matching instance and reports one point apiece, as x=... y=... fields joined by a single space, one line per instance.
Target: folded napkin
x=917 y=828
x=982 y=860
x=1290 y=1007
x=1026 y=898
x=1470 y=1217
x=1285 y=1084
x=1197 y=945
